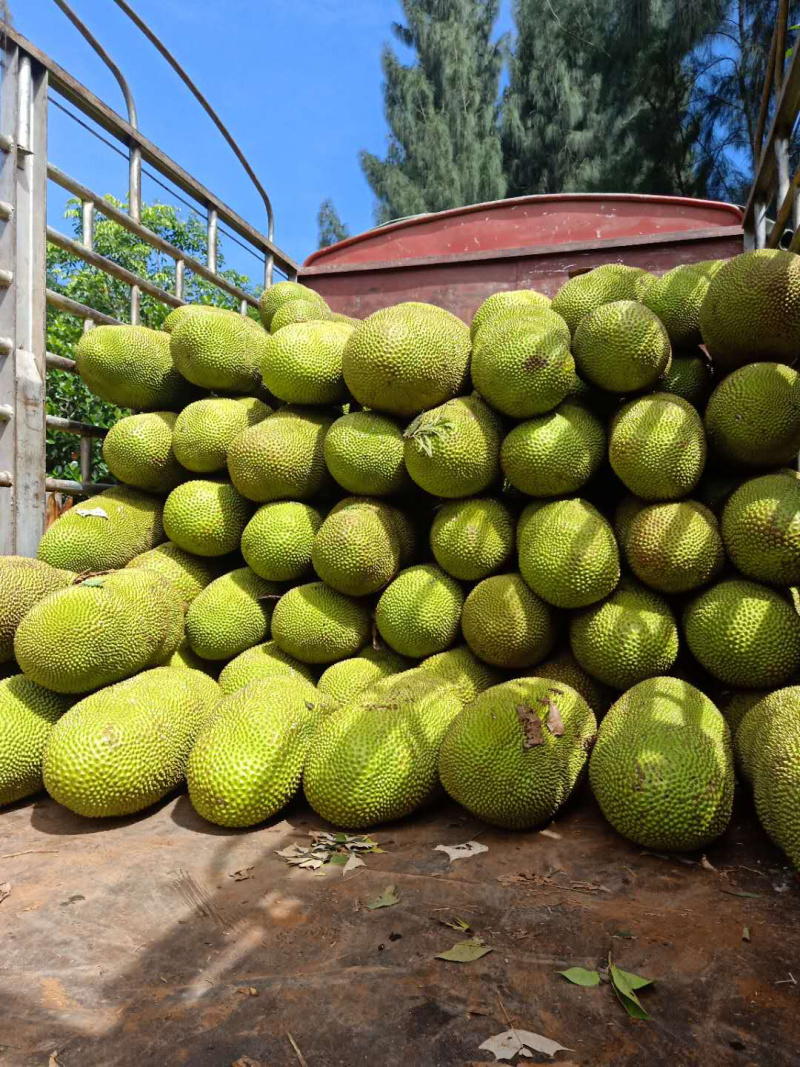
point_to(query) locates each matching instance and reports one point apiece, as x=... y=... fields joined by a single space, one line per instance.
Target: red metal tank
x=457 y=258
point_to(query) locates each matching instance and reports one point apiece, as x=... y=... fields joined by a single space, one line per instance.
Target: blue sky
x=298 y=83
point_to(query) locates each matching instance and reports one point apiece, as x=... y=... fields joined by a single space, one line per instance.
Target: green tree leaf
x=580 y=976
x=465 y=951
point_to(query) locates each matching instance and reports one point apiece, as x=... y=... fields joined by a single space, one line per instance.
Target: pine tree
x=330 y=227
x=444 y=144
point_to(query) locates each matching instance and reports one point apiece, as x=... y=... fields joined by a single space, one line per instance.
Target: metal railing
x=772 y=184
x=29 y=79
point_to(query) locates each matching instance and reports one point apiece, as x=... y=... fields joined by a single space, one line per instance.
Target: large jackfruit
x=507 y=300
x=316 y=624
x=357 y=550
x=118 y=751
x=23 y=583
x=282 y=293
x=563 y=667
x=185 y=311
x=298 y=312
x=364 y=454
x=204 y=430
x=603 y=285
x=506 y=624
x=470 y=539
x=454 y=450
x=138 y=451
x=674 y=547
x=219 y=351
x=554 y=454
x=419 y=613
x=277 y=541
x=761 y=528
x=657 y=447
x=189 y=574
x=460 y=668
x=689 y=376
x=303 y=363
x=231 y=614
x=753 y=416
x=343 y=680
x=28 y=714
x=206 y=517
x=132 y=367
x=677 y=296
x=262 y=661
x=282 y=457
x=621 y=347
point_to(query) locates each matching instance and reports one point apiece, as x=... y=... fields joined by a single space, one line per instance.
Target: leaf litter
x=580 y=976
x=339 y=850
x=465 y=951
x=625 y=984
x=387 y=899
x=462 y=852
x=512 y=1043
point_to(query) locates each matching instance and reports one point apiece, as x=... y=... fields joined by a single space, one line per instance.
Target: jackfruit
x=761 y=528
x=461 y=670
x=206 y=517
x=420 y=611
x=338 y=316
x=507 y=300
x=657 y=447
x=774 y=769
x=105 y=532
x=751 y=311
x=753 y=416
x=282 y=457
x=132 y=367
x=262 y=661
x=297 y=312
x=118 y=751
x=506 y=624
x=27 y=716
x=276 y=296
x=100 y=631
x=277 y=541
x=24 y=582
x=189 y=574
x=743 y=633
x=231 y=614
x=315 y=624
x=470 y=539
x=735 y=704
x=407 y=358
x=563 y=667
x=454 y=450
x=626 y=511
x=526 y=368
x=628 y=637
x=662 y=767
x=364 y=453
x=675 y=547
x=303 y=364
x=184 y=657
x=374 y=760
x=688 y=376
x=357 y=550
x=677 y=296
x=621 y=347
x=603 y=285
x=568 y=554
x=343 y=680
x=556 y=453
x=185 y=311
x=403 y=526
x=247 y=762
x=513 y=757
x=204 y=430
x=138 y=451
x=219 y=351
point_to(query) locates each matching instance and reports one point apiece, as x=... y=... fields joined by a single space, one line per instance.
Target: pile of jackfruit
x=369 y=558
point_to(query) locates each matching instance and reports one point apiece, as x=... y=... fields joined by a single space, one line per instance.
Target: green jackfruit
x=28 y=714
x=675 y=547
x=118 y=751
x=662 y=767
x=402 y=524
x=604 y=284
x=276 y=296
x=296 y=313
x=262 y=661
x=420 y=611
x=132 y=367
x=24 y=582
x=761 y=528
x=735 y=704
x=753 y=416
x=563 y=667
x=621 y=347
x=303 y=363
x=677 y=296
x=219 y=351
x=470 y=539
x=556 y=453
x=506 y=624
x=185 y=311
x=231 y=614
x=277 y=541
x=507 y=300
x=357 y=550
x=316 y=624
x=454 y=450
x=626 y=511
x=364 y=454
x=657 y=447
x=688 y=376
x=513 y=757
x=185 y=658
x=282 y=457
x=138 y=451
x=462 y=670
x=206 y=517
x=204 y=430
x=775 y=768
x=343 y=680
x=189 y=574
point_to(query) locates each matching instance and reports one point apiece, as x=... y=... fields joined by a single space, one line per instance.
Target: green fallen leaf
x=580 y=976
x=465 y=951
x=625 y=934
x=339 y=859
x=625 y=984
x=457 y=924
x=387 y=898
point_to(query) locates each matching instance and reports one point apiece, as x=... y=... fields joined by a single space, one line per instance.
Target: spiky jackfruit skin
x=745 y=634
x=282 y=457
x=662 y=767
x=185 y=311
x=461 y=669
x=734 y=705
x=506 y=624
x=525 y=368
x=761 y=528
x=276 y=296
x=247 y=762
x=688 y=376
x=677 y=296
x=343 y=680
x=132 y=367
x=100 y=631
x=775 y=769
x=628 y=637
x=206 y=517
x=401 y=523
x=219 y=351
x=657 y=447
x=138 y=451
x=316 y=624
x=751 y=311
x=277 y=541
x=297 y=312
x=23 y=583
x=28 y=714
x=621 y=347
x=563 y=667
x=189 y=574
x=509 y=300
x=130 y=522
x=364 y=454
x=568 y=554
x=624 y=515
x=303 y=363
x=231 y=614
x=204 y=430
x=419 y=613
x=262 y=661
x=118 y=751
x=513 y=757
x=405 y=359
x=184 y=657
x=374 y=760
x=603 y=285
x=356 y=550
x=454 y=450
x=338 y=316
x=675 y=547
x=470 y=539
x=753 y=416
x=556 y=453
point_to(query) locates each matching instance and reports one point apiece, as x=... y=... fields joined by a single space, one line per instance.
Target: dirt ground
x=130 y=942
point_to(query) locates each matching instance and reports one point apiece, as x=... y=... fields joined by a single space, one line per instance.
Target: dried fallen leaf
x=550 y=833
x=531 y=726
x=291 y=851
x=53 y=1061
x=246 y=1061
x=352 y=863
x=553 y=722
x=462 y=852
x=457 y=924
x=513 y=1043
x=705 y=864
x=387 y=898
x=253 y=991
x=96 y=513
x=242 y=875
x=5 y=889
x=465 y=951
x=745 y=933
x=580 y=976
